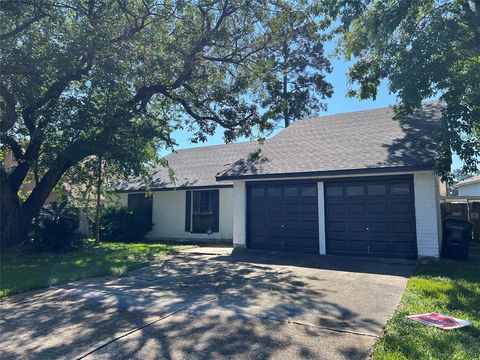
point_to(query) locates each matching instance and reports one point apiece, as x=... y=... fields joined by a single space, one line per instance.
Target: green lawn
x=447 y=287
x=20 y=273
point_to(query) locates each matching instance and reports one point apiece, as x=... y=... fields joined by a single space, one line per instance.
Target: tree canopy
x=115 y=78
x=293 y=83
x=424 y=49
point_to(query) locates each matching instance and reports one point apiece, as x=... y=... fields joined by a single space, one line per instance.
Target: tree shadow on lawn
x=219 y=307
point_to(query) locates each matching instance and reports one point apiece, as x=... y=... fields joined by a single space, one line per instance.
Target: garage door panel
x=292 y=208
x=379 y=227
x=289 y=216
x=310 y=209
x=358 y=245
x=335 y=210
x=402 y=207
x=378 y=208
x=273 y=209
x=380 y=246
x=357 y=226
x=356 y=208
x=258 y=208
x=402 y=227
x=337 y=244
x=336 y=226
x=310 y=225
x=375 y=218
x=292 y=242
x=403 y=247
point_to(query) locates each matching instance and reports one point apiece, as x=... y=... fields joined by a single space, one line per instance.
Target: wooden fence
x=465 y=208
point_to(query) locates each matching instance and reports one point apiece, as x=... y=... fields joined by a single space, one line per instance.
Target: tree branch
x=13 y=145
x=17 y=69
x=10 y=111
x=56 y=90
x=43 y=188
x=22 y=27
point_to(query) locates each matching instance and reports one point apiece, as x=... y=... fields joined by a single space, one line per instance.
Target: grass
x=19 y=273
x=447 y=287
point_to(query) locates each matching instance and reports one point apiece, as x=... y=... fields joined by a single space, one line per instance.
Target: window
x=309 y=191
x=355 y=190
x=334 y=191
x=274 y=191
x=400 y=189
x=141 y=204
x=377 y=190
x=205 y=211
x=291 y=191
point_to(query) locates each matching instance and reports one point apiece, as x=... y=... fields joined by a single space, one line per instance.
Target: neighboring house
x=469 y=187
x=357 y=183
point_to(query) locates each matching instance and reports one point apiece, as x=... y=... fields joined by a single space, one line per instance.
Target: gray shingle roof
x=355 y=141
x=196 y=167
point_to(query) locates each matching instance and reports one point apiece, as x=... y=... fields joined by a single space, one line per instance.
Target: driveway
x=203 y=306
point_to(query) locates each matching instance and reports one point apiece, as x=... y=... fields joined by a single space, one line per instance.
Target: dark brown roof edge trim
x=330 y=172
x=219 y=186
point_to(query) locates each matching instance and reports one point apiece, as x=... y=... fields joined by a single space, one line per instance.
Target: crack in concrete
x=294 y=322
x=196 y=303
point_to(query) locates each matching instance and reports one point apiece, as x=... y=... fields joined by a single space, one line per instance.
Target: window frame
x=196 y=211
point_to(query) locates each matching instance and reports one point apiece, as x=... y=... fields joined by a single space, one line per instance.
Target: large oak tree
x=113 y=78
x=424 y=49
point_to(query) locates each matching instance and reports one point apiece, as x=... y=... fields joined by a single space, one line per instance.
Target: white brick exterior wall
x=239 y=214
x=168 y=216
x=427 y=214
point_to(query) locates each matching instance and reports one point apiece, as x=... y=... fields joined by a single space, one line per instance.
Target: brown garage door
x=283 y=216
x=371 y=218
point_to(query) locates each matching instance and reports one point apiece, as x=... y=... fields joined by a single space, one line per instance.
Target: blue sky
x=338 y=103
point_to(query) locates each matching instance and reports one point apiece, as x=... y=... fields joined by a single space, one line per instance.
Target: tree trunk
x=286 y=117
x=14 y=223
x=97 y=208
x=16 y=217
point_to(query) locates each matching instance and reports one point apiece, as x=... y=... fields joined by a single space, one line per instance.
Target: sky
x=338 y=103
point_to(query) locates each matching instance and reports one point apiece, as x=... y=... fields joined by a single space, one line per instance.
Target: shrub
x=119 y=224
x=55 y=229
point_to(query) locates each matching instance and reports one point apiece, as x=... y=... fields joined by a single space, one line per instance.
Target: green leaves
x=292 y=78
x=115 y=78
x=424 y=49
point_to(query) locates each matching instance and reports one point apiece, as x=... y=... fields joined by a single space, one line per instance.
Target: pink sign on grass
x=440 y=321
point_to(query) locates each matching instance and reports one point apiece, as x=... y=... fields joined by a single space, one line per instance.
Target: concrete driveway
x=203 y=306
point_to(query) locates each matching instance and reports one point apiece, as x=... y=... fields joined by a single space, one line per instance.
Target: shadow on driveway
x=203 y=307
x=381 y=266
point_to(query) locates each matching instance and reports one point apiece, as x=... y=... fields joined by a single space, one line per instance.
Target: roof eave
x=364 y=171
x=467 y=183
x=206 y=187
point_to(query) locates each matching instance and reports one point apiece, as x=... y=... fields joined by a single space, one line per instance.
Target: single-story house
x=469 y=187
x=358 y=183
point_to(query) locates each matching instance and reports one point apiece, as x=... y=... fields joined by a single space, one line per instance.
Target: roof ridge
x=361 y=111
x=212 y=146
